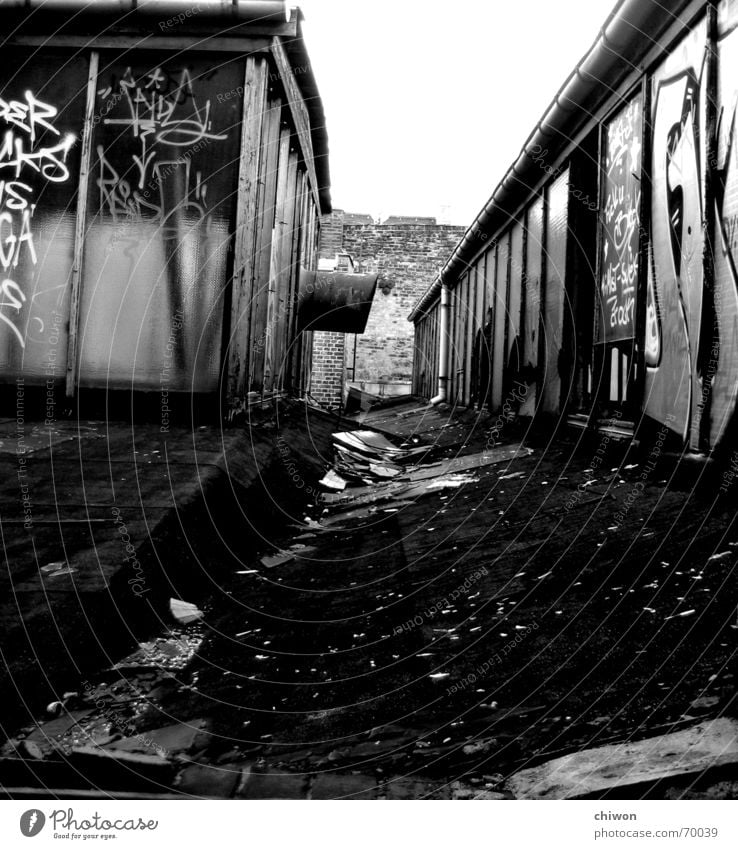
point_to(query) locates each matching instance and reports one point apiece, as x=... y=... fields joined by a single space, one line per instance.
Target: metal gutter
x=629 y=33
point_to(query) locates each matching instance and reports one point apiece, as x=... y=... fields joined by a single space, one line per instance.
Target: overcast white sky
x=429 y=102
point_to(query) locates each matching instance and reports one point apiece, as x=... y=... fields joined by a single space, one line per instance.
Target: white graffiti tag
x=26 y=121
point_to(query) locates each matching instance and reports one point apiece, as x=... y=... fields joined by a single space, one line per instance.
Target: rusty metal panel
x=457 y=352
x=557 y=232
x=161 y=205
x=432 y=351
x=500 y=319
x=458 y=341
x=435 y=348
x=477 y=329
x=468 y=332
x=532 y=299
x=463 y=327
x=335 y=301
x=40 y=142
x=514 y=326
x=488 y=264
x=451 y=358
x=422 y=362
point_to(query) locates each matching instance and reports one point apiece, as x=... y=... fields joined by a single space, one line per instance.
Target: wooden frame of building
x=163 y=170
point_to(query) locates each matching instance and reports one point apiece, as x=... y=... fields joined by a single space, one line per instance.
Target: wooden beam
x=79 y=230
x=285 y=233
x=209 y=43
x=264 y=226
x=298 y=248
x=247 y=204
x=299 y=111
x=277 y=257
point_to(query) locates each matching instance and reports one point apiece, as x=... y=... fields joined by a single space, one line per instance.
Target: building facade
x=600 y=279
x=163 y=171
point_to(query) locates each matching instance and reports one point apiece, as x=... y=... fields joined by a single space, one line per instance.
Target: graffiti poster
x=621 y=224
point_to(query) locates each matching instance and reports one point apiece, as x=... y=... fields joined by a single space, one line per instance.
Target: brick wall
x=326 y=383
x=407 y=255
x=407 y=258
x=331 y=234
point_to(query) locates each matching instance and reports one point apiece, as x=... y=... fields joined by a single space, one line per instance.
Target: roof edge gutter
x=609 y=50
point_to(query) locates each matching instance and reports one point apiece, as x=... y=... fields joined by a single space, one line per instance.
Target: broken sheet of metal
x=369 y=458
x=184 y=612
x=334 y=301
x=368 y=443
x=333 y=481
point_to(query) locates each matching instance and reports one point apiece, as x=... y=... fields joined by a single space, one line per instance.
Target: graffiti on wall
x=159 y=110
x=621 y=224
x=33 y=151
x=674 y=302
x=165 y=159
x=724 y=384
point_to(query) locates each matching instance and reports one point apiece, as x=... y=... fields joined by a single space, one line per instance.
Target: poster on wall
x=621 y=224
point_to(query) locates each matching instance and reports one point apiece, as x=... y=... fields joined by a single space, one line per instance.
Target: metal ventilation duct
x=335 y=301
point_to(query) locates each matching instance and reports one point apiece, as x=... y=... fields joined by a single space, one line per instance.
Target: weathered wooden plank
x=299 y=111
x=79 y=231
x=206 y=42
x=264 y=227
x=276 y=258
x=250 y=195
x=286 y=259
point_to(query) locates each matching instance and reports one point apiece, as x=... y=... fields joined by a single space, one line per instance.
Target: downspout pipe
x=443 y=350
